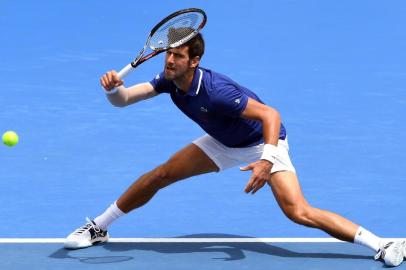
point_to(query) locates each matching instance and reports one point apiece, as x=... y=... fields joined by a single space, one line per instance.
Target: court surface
x=190 y=255
x=335 y=70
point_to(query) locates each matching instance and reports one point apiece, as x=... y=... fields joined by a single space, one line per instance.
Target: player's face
x=177 y=63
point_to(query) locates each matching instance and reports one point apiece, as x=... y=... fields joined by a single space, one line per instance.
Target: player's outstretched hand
x=261 y=173
x=110 y=80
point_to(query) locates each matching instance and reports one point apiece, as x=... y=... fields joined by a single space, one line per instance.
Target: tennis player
x=240 y=129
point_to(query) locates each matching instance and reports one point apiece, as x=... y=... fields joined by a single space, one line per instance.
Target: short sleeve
x=230 y=100
x=161 y=85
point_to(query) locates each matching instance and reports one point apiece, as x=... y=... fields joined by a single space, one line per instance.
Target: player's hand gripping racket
x=171 y=32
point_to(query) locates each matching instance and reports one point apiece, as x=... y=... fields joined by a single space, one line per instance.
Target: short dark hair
x=196 y=46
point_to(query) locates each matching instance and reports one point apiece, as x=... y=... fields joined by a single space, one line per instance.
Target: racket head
x=177 y=29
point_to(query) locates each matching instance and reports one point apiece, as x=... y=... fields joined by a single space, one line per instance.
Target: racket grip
x=124 y=72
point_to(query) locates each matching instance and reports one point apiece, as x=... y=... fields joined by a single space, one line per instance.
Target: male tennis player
x=240 y=129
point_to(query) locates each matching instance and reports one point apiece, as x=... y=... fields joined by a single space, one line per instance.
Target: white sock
x=367 y=239
x=111 y=214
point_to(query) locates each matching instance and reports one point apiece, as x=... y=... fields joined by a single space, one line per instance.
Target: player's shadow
x=233 y=251
x=63 y=253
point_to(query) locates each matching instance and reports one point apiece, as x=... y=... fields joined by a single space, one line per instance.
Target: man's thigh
x=187 y=162
x=286 y=189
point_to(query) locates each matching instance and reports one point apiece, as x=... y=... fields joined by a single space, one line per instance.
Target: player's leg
x=287 y=191
x=289 y=196
x=188 y=162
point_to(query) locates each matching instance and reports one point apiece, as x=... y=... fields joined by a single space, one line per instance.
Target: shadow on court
x=232 y=251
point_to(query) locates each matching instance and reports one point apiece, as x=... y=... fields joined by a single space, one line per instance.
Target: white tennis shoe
x=86 y=236
x=392 y=253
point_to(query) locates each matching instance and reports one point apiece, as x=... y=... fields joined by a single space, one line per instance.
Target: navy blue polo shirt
x=215 y=103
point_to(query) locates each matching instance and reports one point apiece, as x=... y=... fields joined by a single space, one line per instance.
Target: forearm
x=119 y=98
x=271 y=124
x=125 y=96
x=271 y=121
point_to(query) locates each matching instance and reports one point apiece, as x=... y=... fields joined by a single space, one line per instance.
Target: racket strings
x=176 y=31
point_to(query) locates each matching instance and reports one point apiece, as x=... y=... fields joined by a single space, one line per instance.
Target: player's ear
x=194 y=62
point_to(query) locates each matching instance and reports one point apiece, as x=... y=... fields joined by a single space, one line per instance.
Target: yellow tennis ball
x=10 y=138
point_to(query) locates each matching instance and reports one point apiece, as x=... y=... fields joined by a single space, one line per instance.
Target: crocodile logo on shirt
x=203 y=109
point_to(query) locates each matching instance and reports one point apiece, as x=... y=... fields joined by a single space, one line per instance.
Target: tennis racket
x=173 y=31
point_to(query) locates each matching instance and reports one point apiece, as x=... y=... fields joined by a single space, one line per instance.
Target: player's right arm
x=122 y=96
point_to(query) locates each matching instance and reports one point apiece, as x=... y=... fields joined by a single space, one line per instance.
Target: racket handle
x=124 y=72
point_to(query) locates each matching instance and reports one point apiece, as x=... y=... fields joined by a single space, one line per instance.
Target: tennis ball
x=10 y=138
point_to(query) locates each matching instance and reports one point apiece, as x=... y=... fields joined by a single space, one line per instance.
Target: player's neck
x=185 y=81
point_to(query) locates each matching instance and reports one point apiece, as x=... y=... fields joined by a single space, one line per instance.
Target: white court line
x=185 y=240
x=222 y=240
x=180 y=240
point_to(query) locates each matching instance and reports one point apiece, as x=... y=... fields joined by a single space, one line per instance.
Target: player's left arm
x=271 y=122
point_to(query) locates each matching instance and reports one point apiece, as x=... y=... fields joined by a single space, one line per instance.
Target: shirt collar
x=196 y=83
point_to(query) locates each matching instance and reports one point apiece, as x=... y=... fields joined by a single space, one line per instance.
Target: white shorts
x=226 y=157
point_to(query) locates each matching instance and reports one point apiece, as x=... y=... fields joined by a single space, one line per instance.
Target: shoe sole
x=74 y=245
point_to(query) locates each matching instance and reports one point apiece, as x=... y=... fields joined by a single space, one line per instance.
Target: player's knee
x=300 y=214
x=161 y=176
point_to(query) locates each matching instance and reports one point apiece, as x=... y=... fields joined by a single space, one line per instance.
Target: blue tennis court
x=190 y=255
x=334 y=70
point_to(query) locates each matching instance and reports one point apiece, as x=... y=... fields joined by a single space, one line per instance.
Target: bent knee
x=300 y=213
x=162 y=176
